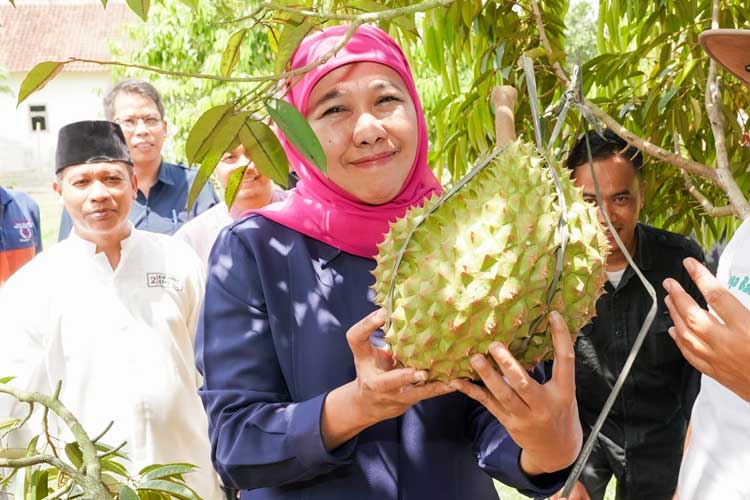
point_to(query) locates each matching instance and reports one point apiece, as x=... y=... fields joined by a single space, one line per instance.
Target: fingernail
x=496 y=348
x=689 y=264
x=478 y=361
x=420 y=376
x=455 y=384
x=667 y=284
x=555 y=316
x=671 y=331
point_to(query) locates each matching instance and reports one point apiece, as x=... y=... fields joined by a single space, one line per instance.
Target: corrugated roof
x=32 y=33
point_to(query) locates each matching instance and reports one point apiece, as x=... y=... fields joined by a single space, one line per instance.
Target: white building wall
x=69 y=97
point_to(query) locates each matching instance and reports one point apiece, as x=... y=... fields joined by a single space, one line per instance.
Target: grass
x=507 y=493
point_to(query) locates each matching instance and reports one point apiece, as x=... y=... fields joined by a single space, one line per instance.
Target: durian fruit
x=479 y=268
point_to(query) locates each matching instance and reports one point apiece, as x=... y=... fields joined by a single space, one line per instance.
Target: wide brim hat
x=90 y=141
x=730 y=48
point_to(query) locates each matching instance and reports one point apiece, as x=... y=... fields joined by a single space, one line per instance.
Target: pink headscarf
x=319 y=208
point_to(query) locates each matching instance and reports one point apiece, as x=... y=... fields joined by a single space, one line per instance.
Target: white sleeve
x=24 y=337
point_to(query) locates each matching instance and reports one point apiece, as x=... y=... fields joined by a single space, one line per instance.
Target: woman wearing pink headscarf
x=301 y=404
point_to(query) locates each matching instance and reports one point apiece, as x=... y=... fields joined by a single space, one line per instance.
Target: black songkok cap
x=90 y=142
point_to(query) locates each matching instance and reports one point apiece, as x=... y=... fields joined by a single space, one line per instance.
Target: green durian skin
x=478 y=269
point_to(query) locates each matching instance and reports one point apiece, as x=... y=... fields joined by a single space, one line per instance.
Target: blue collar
x=166 y=173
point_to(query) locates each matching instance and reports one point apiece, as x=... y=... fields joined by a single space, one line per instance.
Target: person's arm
x=718 y=347
x=259 y=436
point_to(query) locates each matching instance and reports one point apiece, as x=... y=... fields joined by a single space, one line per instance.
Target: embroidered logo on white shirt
x=163 y=280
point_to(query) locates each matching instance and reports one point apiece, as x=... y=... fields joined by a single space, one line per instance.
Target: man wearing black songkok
x=111 y=312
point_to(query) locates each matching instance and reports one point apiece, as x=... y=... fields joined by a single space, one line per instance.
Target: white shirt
x=717 y=461
x=202 y=231
x=122 y=343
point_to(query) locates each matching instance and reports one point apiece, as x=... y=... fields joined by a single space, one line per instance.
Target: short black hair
x=603 y=147
x=132 y=86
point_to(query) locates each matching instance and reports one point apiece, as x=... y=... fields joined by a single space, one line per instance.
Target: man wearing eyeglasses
x=163 y=187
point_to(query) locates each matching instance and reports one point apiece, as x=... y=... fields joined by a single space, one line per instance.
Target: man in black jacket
x=642 y=439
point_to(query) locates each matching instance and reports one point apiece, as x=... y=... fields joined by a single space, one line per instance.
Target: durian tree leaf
x=74 y=454
x=140 y=7
x=104 y=3
x=200 y=136
x=264 y=149
x=221 y=140
x=12 y=2
x=39 y=487
x=193 y=4
x=169 y=470
x=231 y=55
x=233 y=184
x=127 y=493
x=290 y=37
x=39 y=76
x=405 y=22
x=8 y=423
x=297 y=130
x=171 y=488
x=114 y=467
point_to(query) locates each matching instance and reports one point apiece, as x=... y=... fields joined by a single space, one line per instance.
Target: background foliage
x=642 y=65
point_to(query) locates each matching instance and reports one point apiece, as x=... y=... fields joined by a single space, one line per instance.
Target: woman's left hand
x=541 y=418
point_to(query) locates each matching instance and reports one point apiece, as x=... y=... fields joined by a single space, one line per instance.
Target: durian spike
x=504 y=98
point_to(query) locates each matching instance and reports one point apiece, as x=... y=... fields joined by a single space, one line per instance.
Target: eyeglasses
x=130 y=123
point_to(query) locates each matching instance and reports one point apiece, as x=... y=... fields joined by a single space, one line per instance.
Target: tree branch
x=704 y=202
x=92 y=480
x=59 y=492
x=651 y=149
x=45 y=424
x=724 y=177
x=20 y=463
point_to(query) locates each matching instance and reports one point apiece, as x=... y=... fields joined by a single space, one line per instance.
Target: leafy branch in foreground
x=89 y=470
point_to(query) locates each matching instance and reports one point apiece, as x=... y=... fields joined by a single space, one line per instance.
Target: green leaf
x=231 y=55
x=289 y=39
x=140 y=7
x=114 y=467
x=297 y=130
x=37 y=78
x=406 y=22
x=219 y=142
x=104 y=3
x=127 y=493
x=169 y=470
x=73 y=451
x=264 y=149
x=199 y=138
x=193 y=4
x=5 y=380
x=233 y=183
x=12 y=2
x=171 y=488
x=8 y=423
x=664 y=100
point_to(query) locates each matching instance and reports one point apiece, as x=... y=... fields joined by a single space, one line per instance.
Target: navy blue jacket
x=165 y=209
x=271 y=344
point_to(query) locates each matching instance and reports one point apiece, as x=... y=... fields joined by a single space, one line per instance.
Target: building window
x=38 y=115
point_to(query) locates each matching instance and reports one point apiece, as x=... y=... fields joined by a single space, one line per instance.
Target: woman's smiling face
x=366 y=122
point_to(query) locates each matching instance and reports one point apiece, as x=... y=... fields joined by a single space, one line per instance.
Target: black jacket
x=650 y=415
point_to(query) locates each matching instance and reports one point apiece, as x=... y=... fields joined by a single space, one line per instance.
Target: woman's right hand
x=381 y=390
